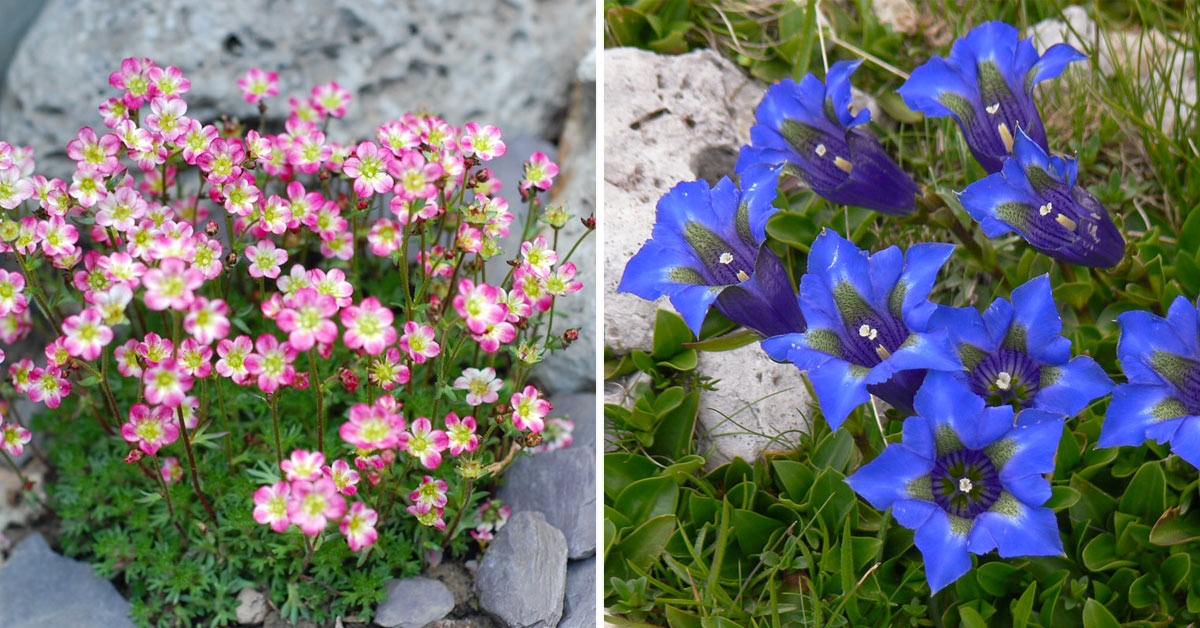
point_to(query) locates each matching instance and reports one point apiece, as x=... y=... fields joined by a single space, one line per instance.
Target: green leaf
x=1061 y=498
x=1146 y=495
x=727 y=342
x=1096 y=616
x=971 y=617
x=681 y=619
x=995 y=577
x=622 y=469
x=670 y=332
x=648 y=498
x=1075 y=294
x=1173 y=528
x=673 y=438
x=834 y=452
x=1024 y=606
x=893 y=105
x=1100 y=554
x=643 y=546
x=1141 y=592
x=807 y=32
x=685 y=360
x=794 y=230
x=1189 y=235
x=753 y=530
x=796 y=478
x=1175 y=570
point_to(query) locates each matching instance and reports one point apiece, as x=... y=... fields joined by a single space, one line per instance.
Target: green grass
x=782 y=541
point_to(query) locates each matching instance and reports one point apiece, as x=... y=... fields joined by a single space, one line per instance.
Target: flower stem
x=187 y=444
x=275 y=422
x=315 y=382
x=466 y=501
x=162 y=485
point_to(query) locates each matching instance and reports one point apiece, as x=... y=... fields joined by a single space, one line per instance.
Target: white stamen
x=1004 y=380
x=864 y=331
x=726 y=258
x=993 y=108
x=1006 y=136
x=965 y=485
x=882 y=352
x=844 y=164
x=1066 y=222
x=742 y=276
x=1046 y=209
x=820 y=150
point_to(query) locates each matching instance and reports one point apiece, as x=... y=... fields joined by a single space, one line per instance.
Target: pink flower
x=206 y=320
x=358 y=526
x=313 y=504
x=57 y=236
x=531 y=289
x=121 y=210
x=47 y=386
x=415 y=178
x=481 y=385
x=111 y=304
x=330 y=99
x=196 y=141
x=478 y=305
x=418 y=341
x=127 y=359
x=373 y=427
x=233 y=354
x=150 y=429
x=426 y=443
x=334 y=284
x=369 y=169
x=368 y=326
x=171 y=470
x=428 y=516
x=386 y=237
x=494 y=336
x=241 y=195
x=539 y=172
x=167 y=118
x=20 y=374
x=529 y=409
x=482 y=142
x=13 y=438
x=57 y=354
x=257 y=84
x=309 y=151
x=155 y=348
x=461 y=433
x=303 y=465
x=387 y=371
x=343 y=476
x=561 y=281
x=86 y=334
x=272 y=363
x=100 y=155
x=132 y=78
x=167 y=81
x=12 y=292
x=265 y=259
x=306 y=319
x=195 y=358
x=430 y=493
x=222 y=161
x=271 y=505
x=166 y=384
x=538 y=256
x=14 y=189
x=171 y=285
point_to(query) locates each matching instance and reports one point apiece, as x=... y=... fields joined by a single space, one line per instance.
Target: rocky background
x=527 y=66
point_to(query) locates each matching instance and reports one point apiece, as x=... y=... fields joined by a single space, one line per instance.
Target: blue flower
x=1036 y=195
x=807 y=130
x=867 y=323
x=967 y=479
x=707 y=248
x=1161 y=358
x=1012 y=353
x=987 y=85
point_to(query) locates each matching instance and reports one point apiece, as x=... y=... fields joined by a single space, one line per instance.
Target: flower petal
x=944 y=551
x=885 y=479
x=1014 y=529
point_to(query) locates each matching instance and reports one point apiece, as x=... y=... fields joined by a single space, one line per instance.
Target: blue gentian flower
x=867 y=324
x=707 y=248
x=1161 y=358
x=1036 y=195
x=987 y=85
x=807 y=130
x=1012 y=353
x=967 y=479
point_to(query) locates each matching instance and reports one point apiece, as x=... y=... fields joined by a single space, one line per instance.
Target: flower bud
x=470 y=469
x=533 y=439
x=231 y=259
x=134 y=456
x=211 y=229
x=362 y=203
x=589 y=222
x=349 y=379
x=569 y=336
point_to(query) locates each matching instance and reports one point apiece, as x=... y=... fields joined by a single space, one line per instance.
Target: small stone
x=414 y=602
x=579 y=607
x=252 y=606
x=561 y=486
x=41 y=588
x=523 y=575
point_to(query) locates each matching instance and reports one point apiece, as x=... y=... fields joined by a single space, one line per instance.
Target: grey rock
x=758 y=404
x=18 y=15
x=581 y=409
x=39 y=588
x=523 y=575
x=252 y=606
x=510 y=64
x=414 y=602
x=561 y=485
x=579 y=607
x=666 y=119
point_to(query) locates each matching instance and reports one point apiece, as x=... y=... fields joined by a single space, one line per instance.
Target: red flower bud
x=349 y=379
x=134 y=456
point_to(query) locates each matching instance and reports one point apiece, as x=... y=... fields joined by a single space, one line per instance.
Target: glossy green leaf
x=1096 y=616
x=644 y=545
x=621 y=469
x=670 y=332
x=727 y=342
x=648 y=498
x=1173 y=528
x=1146 y=495
x=1023 y=607
x=971 y=618
x=1100 y=554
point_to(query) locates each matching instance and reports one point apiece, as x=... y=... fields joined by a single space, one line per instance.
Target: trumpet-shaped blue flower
x=1161 y=358
x=867 y=324
x=967 y=479
x=1036 y=195
x=707 y=248
x=1013 y=354
x=986 y=84
x=807 y=130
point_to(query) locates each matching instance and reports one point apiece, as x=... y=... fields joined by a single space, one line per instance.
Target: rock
x=509 y=65
x=666 y=119
x=40 y=588
x=579 y=607
x=561 y=486
x=581 y=409
x=754 y=394
x=457 y=579
x=523 y=574
x=414 y=602
x=899 y=14
x=252 y=606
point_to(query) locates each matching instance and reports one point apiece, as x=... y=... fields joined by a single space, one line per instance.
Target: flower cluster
x=185 y=268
